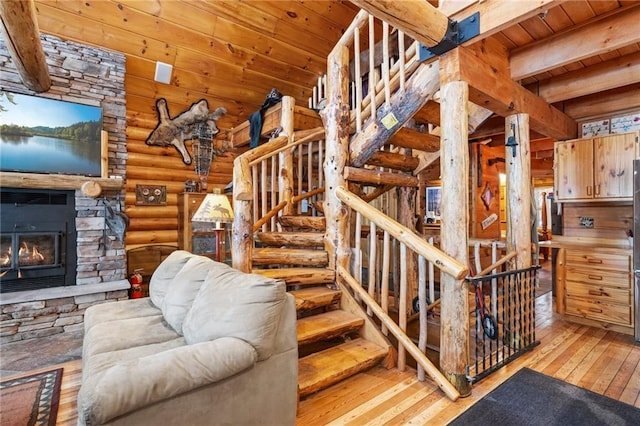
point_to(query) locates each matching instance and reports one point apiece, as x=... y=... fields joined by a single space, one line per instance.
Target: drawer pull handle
x=595 y=277
x=596 y=310
x=595 y=293
x=594 y=261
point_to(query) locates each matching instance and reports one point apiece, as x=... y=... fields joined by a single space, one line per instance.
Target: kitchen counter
x=617 y=246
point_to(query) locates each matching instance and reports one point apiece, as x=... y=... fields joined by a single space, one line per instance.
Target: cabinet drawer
x=599 y=278
x=598 y=293
x=618 y=314
x=612 y=262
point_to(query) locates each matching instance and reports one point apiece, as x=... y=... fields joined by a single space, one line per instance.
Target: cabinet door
x=613 y=161
x=574 y=170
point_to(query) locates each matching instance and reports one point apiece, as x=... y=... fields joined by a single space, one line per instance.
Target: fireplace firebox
x=37 y=239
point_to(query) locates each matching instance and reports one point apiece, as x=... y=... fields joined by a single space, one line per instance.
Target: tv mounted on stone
x=41 y=135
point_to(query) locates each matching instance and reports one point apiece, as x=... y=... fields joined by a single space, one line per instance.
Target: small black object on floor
x=532 y=398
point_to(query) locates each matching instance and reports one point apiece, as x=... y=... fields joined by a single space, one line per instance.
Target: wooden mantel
x=63 y=182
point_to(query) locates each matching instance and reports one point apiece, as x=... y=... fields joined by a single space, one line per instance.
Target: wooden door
x=574 y=170
x=613 y=165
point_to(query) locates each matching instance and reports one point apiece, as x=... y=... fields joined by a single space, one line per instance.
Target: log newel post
x=518 y=189
x=454 y=332
x=285 y=174
x=336 y=121
x=242 y=247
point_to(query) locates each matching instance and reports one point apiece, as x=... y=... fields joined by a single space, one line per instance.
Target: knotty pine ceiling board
x=298 y=15
x=185 y=14
x=53 y=20
x=234 y=37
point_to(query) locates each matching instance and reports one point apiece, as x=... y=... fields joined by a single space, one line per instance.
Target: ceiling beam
x=416 y=18
x=496 y=15
x=606 y=75
x=601 y=104
x=22 y=37
x=493 y=89
x=590 y=39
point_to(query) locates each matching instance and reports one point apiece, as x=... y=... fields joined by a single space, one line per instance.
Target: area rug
x=30 y=400
x=532 y=398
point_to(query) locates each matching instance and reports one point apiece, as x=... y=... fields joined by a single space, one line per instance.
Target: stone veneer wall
x=91 y=76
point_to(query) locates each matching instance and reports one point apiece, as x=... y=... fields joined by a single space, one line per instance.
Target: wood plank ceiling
x=234 y=52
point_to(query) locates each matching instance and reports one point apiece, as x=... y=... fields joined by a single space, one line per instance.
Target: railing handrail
x=440 y=259
x=278 y=148
x=264 y=219
x=403 y=339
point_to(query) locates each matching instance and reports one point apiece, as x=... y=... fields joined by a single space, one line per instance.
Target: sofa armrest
x=137 y=383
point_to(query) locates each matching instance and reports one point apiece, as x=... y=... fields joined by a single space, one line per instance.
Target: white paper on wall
x=626 y=123
x=595 y=128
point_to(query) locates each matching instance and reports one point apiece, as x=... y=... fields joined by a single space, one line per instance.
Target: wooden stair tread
x=300 y=276
x=322 y=369
x=291 y=239
x=327 y=325
x=289 y=256
x=317 y=223
x=315 y=297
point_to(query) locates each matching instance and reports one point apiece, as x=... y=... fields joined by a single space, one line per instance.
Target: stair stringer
x=370 y=330
x=404 y=104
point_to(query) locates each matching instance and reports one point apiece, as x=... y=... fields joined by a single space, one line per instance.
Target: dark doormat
x=532 y=398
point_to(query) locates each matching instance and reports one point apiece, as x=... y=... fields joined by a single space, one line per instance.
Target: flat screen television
x=40 y=135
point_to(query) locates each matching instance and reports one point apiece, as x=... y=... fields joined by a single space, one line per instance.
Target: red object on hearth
x=136 y=285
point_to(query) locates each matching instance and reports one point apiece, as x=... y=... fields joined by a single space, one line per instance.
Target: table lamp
x=215 y=209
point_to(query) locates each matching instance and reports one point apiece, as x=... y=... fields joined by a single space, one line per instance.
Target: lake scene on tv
x=40 y=135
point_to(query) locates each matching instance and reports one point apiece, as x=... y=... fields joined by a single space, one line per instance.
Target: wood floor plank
x=369 y=408
x=568 y=353
x=587 y=344
x=631 y=393
x=578 y=374
x=609 y=364
x=624 y=374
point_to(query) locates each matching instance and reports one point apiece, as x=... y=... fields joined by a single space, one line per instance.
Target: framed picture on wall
x=434 y=194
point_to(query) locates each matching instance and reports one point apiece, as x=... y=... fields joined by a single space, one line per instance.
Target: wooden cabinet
x=197 y=238
x=599 y=168
x=597 y=288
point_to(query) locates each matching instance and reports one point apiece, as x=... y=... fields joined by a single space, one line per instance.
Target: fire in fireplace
x=37 y=239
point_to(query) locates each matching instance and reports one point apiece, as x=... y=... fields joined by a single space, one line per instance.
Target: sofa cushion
x=183 y=289
x=235 y=304
x=126 y=333
x=119 y=310
x=164 y=274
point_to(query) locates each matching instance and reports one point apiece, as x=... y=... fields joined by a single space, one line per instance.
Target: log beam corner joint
x=457 y=33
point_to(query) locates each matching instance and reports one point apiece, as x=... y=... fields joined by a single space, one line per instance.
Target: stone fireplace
x=94 y=260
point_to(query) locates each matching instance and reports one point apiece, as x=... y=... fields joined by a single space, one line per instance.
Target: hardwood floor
x=602 y=361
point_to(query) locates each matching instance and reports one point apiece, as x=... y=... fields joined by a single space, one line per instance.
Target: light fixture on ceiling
x=163 y=72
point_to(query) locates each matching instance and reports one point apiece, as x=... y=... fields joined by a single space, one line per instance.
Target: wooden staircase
x=329 y=338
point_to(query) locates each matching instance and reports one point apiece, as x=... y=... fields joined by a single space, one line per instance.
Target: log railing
x=376 y=296
x=259 y=195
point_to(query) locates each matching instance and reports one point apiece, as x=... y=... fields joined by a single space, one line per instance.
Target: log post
x=285 y=174
x=454 y=161
x=407 y=217
x=336 y=121
x=242 y=248
x=518 y=189
x=22 y=38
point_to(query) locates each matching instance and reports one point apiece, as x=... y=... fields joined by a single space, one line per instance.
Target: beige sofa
x=210 y=346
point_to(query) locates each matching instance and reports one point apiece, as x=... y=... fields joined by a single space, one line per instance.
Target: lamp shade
x=215 y=208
